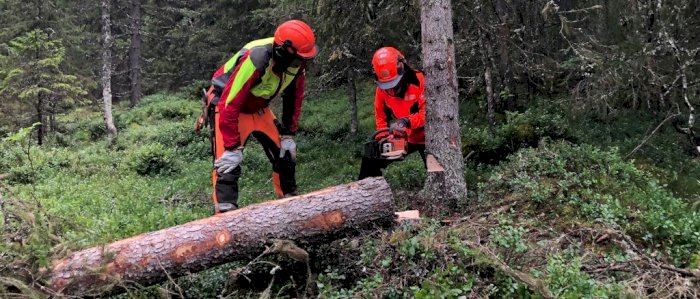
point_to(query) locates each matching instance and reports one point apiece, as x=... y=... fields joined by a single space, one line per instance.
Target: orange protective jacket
x=247 y=84
x=411 y=107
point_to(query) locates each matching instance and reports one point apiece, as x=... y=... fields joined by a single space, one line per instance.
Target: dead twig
x=171 y=280
x=652 y=134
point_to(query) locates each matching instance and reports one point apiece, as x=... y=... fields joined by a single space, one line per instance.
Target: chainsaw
x=393 y=147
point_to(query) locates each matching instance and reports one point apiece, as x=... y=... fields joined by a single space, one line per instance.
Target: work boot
x=225 y=207
x=291 y=194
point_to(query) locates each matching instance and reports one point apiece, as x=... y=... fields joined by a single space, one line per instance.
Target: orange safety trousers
x=264 y=127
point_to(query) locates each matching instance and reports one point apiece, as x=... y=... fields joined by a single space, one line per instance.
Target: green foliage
x=156 y=174
x=21 y=135
x=587 y=183
x=31 y=73
x=566 y=280
x=666 y=155
x=445 y=283
x=17 y=157
x=153 y=159
x=178 y=136
x=160 y=107
x=517 y=131
x=30 y=238
x=508 y=236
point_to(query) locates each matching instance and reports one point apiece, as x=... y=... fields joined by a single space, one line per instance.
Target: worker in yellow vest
x=241 y=92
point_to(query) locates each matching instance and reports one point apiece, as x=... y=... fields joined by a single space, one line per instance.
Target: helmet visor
x=389 y=84
x=309 y=54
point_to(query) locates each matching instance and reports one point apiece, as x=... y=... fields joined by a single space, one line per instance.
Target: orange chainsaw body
x=393 y=147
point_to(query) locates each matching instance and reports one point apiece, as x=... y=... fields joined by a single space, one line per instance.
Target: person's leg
x=283 y=169
x=371 y=165
x=226 y=185
x=226 y=190
x=420 y=148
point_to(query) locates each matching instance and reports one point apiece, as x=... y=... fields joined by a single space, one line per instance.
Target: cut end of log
x=410 y=216
x=433 y=164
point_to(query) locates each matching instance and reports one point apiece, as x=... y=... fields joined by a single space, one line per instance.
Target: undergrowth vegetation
x=554 y=209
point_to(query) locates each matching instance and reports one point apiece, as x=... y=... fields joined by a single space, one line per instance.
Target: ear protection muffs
x=283 y=56
x=400 y=66
x=285 y=50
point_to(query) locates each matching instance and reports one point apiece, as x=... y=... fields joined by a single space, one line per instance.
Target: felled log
x=241 y=234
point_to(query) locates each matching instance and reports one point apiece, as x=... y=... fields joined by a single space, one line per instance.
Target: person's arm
x=236 y=91
x=292 y=99
x=380 y=116
x=417 y=119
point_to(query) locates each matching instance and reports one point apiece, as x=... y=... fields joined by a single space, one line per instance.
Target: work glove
x=399 y=125
x=287 y=145
x=381 y=135
x=228 y=161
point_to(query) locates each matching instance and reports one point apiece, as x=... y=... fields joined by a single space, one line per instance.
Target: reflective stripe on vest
x=270 y=86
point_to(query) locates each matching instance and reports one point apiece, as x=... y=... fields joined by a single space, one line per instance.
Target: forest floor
x=557 y=207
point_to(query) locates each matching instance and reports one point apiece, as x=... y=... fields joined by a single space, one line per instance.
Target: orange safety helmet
x=388 y=64
x=299 y=36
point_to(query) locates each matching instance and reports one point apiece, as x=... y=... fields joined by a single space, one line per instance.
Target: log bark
x=241 y=234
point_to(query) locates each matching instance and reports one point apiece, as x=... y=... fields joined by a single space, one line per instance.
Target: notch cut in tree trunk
x=433 y=165
x=438 y=181
x=150 y=258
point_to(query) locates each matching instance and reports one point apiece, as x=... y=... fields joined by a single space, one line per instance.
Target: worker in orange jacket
x=241 y=92
x=399 y=105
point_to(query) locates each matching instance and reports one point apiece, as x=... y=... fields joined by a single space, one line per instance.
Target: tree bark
x=107 y=68
x=442 y=113
x=240 y=234
x=135 y=53
x=352 y=97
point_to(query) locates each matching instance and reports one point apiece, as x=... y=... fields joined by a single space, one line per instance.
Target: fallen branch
x=652 y=134
x=533 y=283
x=630 y=246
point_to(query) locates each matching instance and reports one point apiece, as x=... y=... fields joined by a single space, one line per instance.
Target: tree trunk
x=135 y=53
x=442 y=113
x=52 y=115
x=352 y=97
x=505 y=68
x=107 y=68
x=39 y=99
x=149 y=258
x=488 y=80
x=40 y=118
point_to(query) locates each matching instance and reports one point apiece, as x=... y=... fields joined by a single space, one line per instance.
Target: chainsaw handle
x=401 y=134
